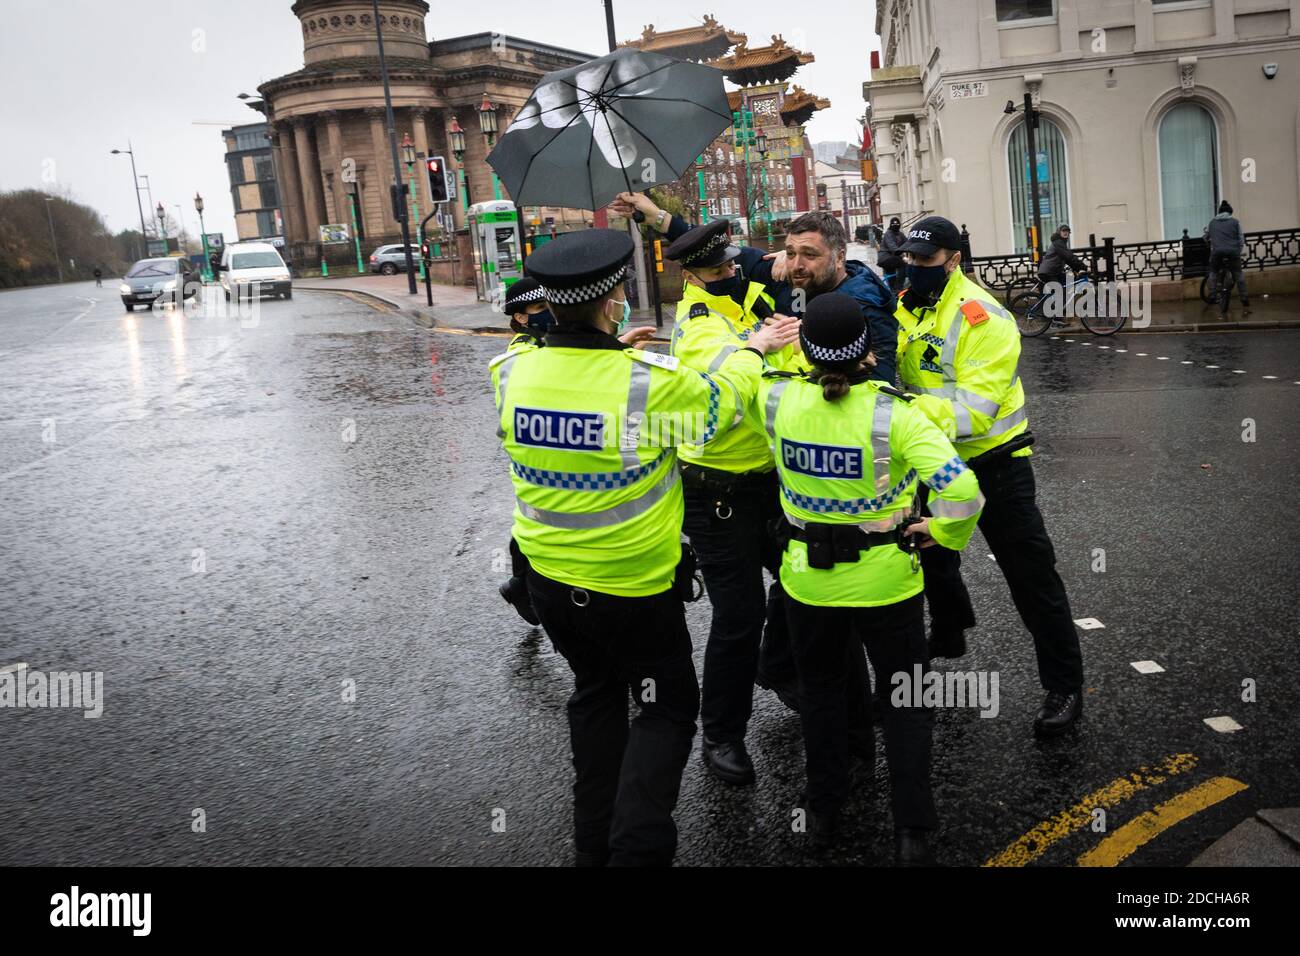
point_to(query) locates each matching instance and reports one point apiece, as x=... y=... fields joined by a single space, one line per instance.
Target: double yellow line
x=1132 y=835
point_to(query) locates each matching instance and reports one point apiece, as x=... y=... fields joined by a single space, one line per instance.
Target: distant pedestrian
x=1227 y=246
x=890 y=262
x=99 y=278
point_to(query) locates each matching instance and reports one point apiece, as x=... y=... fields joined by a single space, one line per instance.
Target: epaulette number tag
x=670 y=362
x=974 y=312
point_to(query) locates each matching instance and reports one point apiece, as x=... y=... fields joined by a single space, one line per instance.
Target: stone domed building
x=327 y=124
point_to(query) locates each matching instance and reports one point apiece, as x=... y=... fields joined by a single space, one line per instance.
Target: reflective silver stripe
x=948 y=357
x=964 y=427
x=638 y=393
x=502 y=377
x=955 y=509
x=1008 y=423
x=880 y=453
x=586 y=520
x=943 y=391
x=722 y=357
x=978 y=402
x=883 y=524
x=773 y=401
x=740 y=410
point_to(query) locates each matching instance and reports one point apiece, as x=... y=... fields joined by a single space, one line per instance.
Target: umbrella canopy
x=621 y=123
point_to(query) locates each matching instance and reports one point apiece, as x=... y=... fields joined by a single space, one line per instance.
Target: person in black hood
x=890 y=262
x=1227 y=245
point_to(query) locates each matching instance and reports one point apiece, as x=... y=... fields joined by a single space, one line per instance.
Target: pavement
x=457 y=307
x=277 y=536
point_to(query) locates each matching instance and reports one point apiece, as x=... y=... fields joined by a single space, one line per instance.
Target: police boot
x=823 y=828
x=912 y=847
x=584 y=858
x=787 y=693
x=515 y=591
x=947 y=644
x=729 y=761
x=1058 y=713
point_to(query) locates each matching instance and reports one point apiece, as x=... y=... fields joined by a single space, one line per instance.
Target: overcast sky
x=83 y=76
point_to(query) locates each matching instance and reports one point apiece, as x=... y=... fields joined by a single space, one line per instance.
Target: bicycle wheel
x=1027 y=307
x=1226 y=282
x=1205 y=290
x=1110 y=313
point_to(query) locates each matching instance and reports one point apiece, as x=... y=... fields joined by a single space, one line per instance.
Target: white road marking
x=1121 y=350
x=1143 y=354
x=12 y=668
x=1089 y=623
x=1211 y=366
x=54 y=454
x=1271 y=377
x=1162 y=358
x=1067 y=340
x=1224 y=724
x=1147 y=667
x=1238 y=371
x=1187 y=362
x=1103 y=346
x=1085 y=343
x=993 y=557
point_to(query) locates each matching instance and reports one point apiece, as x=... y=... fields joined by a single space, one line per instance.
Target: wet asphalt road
x=334 y=471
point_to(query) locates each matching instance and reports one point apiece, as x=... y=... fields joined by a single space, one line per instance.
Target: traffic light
x=439 y=189
x=398 y=198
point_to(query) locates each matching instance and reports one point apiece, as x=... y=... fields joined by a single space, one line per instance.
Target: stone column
x=309 y=174
x=336 y=200
x=380 y=178
x=286 y=165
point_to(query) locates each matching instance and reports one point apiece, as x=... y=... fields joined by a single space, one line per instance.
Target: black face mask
x=928 y=281
x=730 y=286
x=540 y=322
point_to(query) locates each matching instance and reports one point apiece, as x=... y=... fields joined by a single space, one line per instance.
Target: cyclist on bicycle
x=1051 y=268
x=1227 y=244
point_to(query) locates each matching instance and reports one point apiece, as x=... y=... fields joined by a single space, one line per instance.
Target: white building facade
x=1152 y=111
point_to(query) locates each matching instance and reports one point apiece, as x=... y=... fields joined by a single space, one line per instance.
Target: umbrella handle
x=638 y=216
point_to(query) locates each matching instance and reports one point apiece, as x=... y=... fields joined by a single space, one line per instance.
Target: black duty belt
x=832 y=544
x=719 y=482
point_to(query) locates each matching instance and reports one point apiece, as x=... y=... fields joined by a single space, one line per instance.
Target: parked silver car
x=391 y=260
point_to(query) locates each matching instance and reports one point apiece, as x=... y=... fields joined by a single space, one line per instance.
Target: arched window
x=1053 y=190
x=1189 y=170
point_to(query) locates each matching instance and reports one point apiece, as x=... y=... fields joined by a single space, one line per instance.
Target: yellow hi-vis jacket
x=856 y=461
x=708 y=328
x=592 y=433
x=961 y=358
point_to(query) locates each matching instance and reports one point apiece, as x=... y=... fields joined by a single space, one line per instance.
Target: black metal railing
x=1183 y=258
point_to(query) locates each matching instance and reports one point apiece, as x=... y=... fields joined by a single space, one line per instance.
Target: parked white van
x=254 y=268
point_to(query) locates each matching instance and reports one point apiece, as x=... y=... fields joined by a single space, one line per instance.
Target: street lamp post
x=487 y=121
x=402 y=219
x=58 y=263
x=456 y=135
x=135 y=182
x=1031 y=143
x=761 y=143
x=408 y=157
x=148 y=188
x=203 y=237
x=356 y=237
x=162 y=226
x=180 y=217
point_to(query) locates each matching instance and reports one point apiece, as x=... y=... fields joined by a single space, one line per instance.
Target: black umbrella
x=624 y=122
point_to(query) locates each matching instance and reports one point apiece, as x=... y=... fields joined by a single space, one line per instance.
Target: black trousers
x=1014 y=529
x=894 y=636
x=628 y=776
x=748 y=632
x=1232 y=263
